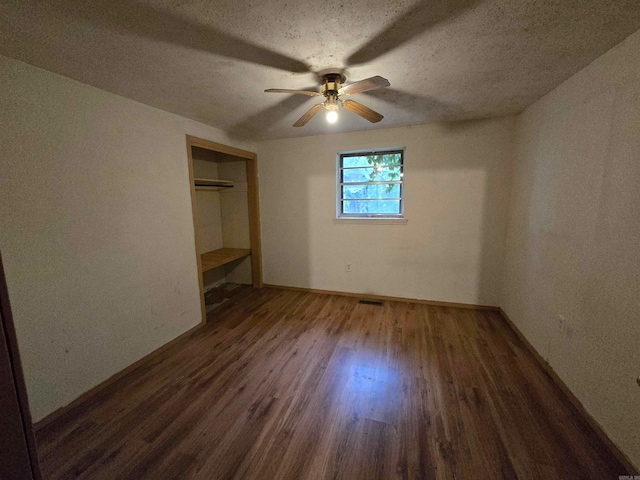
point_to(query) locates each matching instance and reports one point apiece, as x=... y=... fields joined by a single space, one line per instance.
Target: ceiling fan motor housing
x=331 y=83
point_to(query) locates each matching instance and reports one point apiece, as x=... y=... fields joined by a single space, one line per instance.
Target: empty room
x=320 y=240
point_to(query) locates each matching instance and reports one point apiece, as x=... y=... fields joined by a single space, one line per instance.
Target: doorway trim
x=23 y=452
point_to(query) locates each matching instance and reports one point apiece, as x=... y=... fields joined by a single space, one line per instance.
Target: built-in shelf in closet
x=222 y=256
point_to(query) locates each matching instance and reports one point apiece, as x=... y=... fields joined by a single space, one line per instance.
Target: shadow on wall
x=492 y=228
x=456 y=197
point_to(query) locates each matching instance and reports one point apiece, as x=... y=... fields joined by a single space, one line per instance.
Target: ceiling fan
x=332 y=89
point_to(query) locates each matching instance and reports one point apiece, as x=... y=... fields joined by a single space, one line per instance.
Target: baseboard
x=367 y=296
x=53 y=416
x=577 y=404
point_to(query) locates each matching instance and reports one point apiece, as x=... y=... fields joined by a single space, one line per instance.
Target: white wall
x=456 y=193
x=96 y=229
x=573 y=245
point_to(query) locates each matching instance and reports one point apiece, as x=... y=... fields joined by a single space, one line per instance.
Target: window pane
x=371 y=160
x=370 y=207
x=368 y=185
x=355 y=162
x=371 y=174
x=389 y=190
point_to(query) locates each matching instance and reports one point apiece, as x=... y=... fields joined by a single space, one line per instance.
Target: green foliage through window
x=371 y=184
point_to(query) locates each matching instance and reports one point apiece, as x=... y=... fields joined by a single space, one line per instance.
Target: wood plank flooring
x=292 y=385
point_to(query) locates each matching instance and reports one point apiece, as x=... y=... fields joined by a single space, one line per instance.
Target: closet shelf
x=222 y=256
x=211 y=184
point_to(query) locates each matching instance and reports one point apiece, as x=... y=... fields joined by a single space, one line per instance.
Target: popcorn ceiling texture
x=211 y=61
x=573 y=237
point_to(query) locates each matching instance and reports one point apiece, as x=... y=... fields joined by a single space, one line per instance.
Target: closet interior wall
x=234 y=217
x=208 y=219
x=222 y=216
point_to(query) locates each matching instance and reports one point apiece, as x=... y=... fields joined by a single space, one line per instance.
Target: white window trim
x=372 y=219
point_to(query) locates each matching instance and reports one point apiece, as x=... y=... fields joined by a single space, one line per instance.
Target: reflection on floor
x=292 y=385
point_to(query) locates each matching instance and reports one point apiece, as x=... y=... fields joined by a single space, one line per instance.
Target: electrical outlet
x=347 y=267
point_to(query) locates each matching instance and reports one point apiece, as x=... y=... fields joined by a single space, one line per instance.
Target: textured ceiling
x=211 y=61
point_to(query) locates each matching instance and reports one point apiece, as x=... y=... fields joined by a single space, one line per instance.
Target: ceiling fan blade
x=307 y=116
x=364 y=112
x=364 y=85
x=300 y=92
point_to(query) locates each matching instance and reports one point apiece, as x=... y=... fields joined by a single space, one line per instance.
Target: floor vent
x=371 y=302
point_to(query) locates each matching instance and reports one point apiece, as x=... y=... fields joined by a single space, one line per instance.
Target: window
x=370 y=184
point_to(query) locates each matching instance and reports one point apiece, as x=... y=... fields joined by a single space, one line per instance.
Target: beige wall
x=573 y=244
x=96 y=229
x=456 y=193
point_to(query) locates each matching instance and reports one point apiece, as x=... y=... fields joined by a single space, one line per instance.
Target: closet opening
x=226 y=218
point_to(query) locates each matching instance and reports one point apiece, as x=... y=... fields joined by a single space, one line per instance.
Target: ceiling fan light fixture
x=332 y=89
x=332 y=113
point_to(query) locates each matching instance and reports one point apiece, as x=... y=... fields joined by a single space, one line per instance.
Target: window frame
x=340 y=215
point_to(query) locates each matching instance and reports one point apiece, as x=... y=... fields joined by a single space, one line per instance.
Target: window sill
x=371 y=221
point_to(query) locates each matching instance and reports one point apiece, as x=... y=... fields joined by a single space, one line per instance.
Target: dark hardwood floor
x=291 y=385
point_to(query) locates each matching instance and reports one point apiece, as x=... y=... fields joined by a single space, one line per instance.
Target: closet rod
x=212 y=183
